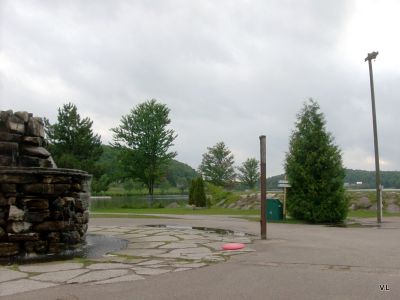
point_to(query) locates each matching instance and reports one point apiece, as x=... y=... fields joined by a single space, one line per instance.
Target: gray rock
x=393 y=208
x=363 y=203
x=16 y=214
x=35 y=127
x=8 y=249
x=18 y=227
x=173 y=205
x=15 y=125
x=22 y=115
x=8 y=148
x=36 y=151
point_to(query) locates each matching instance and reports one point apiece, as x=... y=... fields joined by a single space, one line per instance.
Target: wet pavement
x=150 y=251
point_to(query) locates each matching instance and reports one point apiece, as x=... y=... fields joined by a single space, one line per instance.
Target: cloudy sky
x=229 y=70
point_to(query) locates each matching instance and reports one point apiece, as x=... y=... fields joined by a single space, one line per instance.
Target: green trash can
x=274 y=209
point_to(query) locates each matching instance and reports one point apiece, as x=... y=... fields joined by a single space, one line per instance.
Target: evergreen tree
x=72 y=142
x=217 y=165
x=191 y=192
x=197 y=195
x=144 y=141
x=248 y=172
x=315 y=171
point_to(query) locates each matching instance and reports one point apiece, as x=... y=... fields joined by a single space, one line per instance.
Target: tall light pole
x=370 y=57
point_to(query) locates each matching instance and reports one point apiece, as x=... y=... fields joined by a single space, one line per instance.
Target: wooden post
x=263 y=186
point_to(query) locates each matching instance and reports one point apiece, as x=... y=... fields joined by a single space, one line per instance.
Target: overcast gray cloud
x=229 y=70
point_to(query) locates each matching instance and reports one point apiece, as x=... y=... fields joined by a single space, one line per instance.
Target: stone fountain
x=43 y=209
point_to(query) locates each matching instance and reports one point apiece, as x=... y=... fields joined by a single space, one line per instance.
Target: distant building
x=359 y=183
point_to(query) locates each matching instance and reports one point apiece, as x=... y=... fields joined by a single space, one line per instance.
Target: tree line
x=142 y=149
x=139 y=153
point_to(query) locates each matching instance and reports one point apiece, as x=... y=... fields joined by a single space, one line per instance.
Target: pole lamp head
x=372 y=55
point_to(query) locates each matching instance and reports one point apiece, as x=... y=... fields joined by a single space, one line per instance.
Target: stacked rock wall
x=43 y=209
x=22 y=141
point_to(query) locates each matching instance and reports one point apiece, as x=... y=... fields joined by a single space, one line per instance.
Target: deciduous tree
x=217 y=165
x=145 y=140
x=248 y=172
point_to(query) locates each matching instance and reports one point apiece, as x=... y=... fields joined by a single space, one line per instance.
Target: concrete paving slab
x=7 y=275
x=176 y=253
x=129 y=236
x=215 y=245
x=159 y=266
x=178 y=245
x=149 y=271
x=22 y=285
x=141 y=252
x=98 y=275
x=130 y=277
x=49 y=267
x=237 y=240
x=159 y=238
x=108 y=266
x=144 y=245
x=108 y=233
x=60 y=276
x=213 y=259
x=190 y=236
x=150 y=262
x=182 y=269
x=120 y=229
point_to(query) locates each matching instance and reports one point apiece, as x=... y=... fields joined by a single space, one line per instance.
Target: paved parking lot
x=297 y=261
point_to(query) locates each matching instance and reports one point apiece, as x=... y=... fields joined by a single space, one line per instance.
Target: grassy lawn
x=179 y=211
x=253 y=213
x=124 y=215
x=119 y=191
x=369 y=214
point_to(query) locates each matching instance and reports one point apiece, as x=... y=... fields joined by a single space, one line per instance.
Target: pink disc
x=233 y=246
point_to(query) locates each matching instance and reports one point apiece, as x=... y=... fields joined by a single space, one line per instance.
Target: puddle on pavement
x=205 y=229
x=95 y=247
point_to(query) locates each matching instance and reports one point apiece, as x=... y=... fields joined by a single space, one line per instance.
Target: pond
x=158 y=201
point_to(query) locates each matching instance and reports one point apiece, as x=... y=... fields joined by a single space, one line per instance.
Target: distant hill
x=178 y=173
x=365 y=179
x=389 y=179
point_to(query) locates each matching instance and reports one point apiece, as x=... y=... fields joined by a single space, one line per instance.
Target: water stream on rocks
x=95 y=247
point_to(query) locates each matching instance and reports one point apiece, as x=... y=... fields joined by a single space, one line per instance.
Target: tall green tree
x=144 y=140
x=248 y=172
x=315 y=171
x=217 y=165
x=72 y=142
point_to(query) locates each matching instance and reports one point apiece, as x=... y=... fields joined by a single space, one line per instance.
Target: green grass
x=120 y=191
x=179 y=211
x=369 y=214
x=124 y=215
